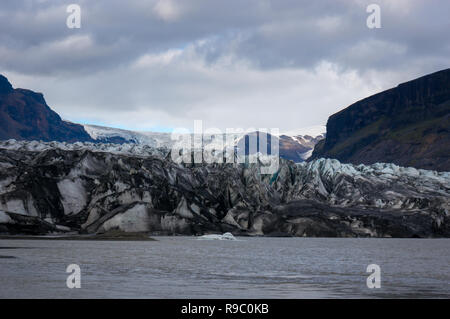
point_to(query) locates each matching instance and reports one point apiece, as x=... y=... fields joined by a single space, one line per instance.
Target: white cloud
x=374 y=52
x=167 y=10
x=159 y=59
x=329 y=23
x=174 y=88
x=285 y=64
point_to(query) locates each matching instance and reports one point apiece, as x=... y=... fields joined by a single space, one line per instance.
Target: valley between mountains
x=381 y=170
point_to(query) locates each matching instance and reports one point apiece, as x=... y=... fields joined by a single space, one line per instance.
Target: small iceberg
x=226 y=236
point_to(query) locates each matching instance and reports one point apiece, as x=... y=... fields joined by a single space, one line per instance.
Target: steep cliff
x=24 y=115
x=408 y=125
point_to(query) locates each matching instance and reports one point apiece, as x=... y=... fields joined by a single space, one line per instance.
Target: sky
x=157 y=65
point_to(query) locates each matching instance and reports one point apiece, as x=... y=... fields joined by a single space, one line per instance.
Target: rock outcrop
x=24 y=115
x=408 y=125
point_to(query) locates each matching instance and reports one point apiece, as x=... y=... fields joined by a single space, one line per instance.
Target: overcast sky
x=156 y=65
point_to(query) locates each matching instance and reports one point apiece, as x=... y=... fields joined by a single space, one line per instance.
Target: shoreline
x=109 y=236
x=148 y=237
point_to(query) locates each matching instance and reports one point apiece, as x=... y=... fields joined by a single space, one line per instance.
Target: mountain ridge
x=407 y=125
x=24 y=115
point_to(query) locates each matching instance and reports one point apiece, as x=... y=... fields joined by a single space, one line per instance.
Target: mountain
x=94 y=188
x=299 y=145
x=408 y=125
x=294 y=145
x=24 y=115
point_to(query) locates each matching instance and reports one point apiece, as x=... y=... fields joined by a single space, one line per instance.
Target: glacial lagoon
x=185 y=267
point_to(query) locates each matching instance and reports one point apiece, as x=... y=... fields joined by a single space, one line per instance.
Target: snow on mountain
x=312 y=131
x=154 y=139
x=296 y=145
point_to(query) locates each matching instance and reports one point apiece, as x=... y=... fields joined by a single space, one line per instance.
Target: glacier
x=92 y=187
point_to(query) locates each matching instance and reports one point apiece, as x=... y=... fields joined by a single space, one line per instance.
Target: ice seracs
x=100 y=187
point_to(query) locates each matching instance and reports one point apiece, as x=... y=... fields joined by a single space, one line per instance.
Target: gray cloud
x=164 y=63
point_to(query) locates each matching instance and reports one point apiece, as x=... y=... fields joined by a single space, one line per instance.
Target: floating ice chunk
x=226 y=236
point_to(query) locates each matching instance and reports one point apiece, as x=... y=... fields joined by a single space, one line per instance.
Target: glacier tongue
x=89 y=188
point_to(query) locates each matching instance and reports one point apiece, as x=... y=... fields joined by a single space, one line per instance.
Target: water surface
x=184 y=267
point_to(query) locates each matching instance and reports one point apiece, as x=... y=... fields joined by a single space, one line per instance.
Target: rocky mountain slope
x=94 y=188
x=299 y=147
x=408 y=125
x=24 y=115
